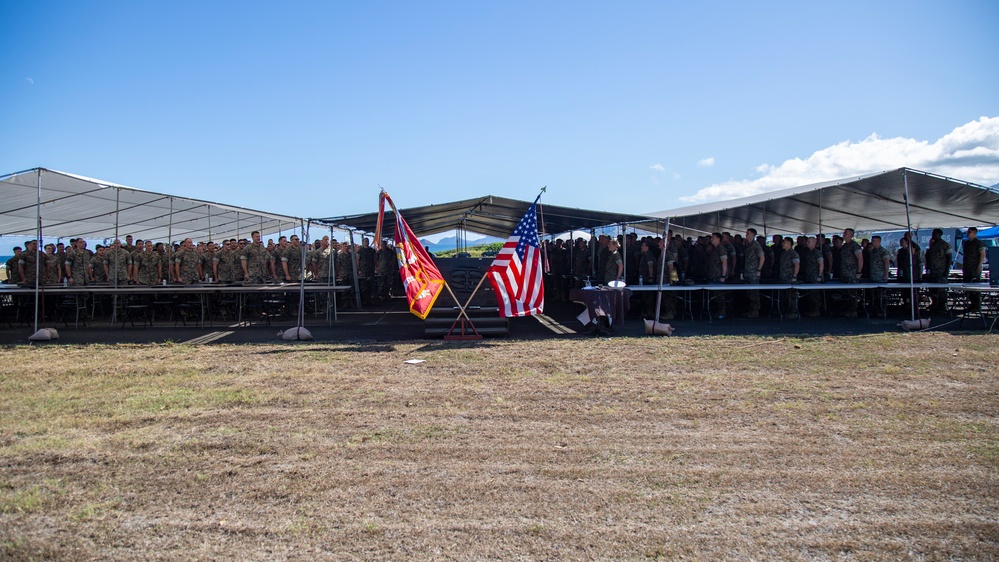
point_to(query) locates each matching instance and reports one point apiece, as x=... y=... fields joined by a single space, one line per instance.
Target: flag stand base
x=463 y=334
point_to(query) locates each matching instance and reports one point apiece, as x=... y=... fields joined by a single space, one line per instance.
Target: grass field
x=874 y=447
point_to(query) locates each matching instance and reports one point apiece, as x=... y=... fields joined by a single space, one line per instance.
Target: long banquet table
x=204 y=291
x=984 y=288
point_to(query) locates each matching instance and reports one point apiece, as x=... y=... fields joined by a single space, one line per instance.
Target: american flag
x=516 y=273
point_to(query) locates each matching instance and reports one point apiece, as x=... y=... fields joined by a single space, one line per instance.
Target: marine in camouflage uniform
x=851 y=263
x=208 y=262
x=116 y=263
x=77 y=264
x=753 y=259
x=878 y=268
x=580 y=262
x=603 y=253
x=13 y=274
x=148 y=266
x=670 y=250
x=717 y=273
x=28 y=263
x=667 y=252
x=366 y=269
x=717 y=260
x=187 y=261
x=788 y=268
x=879 y=256
x=236 y=265
x=96 y=266
x=291 y=261
x=136 y=255
x=345 y=265
x=386 y=268
x=615 y=263
x=732 y=255
x=53 y=274
x=321 y=261
x=971 y=266
x=254 y=260
x=812 y=268
x=224 y=263
x=939 y=256
x=275 y=258
x=345 y=271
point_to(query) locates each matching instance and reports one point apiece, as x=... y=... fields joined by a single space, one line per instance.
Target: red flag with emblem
x=420 y=277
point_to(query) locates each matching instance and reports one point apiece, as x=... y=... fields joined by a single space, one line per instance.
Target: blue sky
x=307 y=108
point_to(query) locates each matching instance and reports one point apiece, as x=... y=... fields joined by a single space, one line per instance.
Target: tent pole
x=209 y=223
x=820 y=211
x=332 y=278
x=765 y=235
x=593 y=254
x=301 y=278
x=237 y=225
x=38 y=237
x=572 y=251
x=170 y=226
x=624 y=248
x=908 y=229
x=117 y=256
x=662 y=270
x=353 y=267
x=117 y=206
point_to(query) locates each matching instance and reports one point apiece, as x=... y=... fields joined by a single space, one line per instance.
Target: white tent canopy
x=69 y=205
x=869 y=202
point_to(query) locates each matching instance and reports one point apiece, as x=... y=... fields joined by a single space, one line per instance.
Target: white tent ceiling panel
x=76 y=206
x=871 y=202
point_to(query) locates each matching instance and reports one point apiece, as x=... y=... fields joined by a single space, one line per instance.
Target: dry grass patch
x=870 y=447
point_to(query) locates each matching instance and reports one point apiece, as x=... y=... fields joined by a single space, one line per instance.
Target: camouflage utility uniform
x=255 y=257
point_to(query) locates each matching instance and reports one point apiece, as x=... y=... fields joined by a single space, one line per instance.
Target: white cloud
x=969 y=152
x=706 y=162
x=658 y=167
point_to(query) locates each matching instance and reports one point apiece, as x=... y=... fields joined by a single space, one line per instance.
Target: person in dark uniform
x=789 y=266
x=974 y=259
x=939 y=256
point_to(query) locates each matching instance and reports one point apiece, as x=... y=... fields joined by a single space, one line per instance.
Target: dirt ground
x=872 y=447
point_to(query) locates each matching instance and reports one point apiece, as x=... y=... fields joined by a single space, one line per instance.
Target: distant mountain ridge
x=448 y=243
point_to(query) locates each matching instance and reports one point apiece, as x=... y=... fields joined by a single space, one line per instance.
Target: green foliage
x=475 y=251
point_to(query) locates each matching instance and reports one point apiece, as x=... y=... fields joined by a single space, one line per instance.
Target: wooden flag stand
x=463 y=318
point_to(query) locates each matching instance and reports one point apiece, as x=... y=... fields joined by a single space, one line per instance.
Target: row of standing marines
x=718 y=258
x=749 y=259
x=231 y=261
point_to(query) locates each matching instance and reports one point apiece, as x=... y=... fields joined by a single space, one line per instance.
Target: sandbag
x=658 y=328
x=296 y=333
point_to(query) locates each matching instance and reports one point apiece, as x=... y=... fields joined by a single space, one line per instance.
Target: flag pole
x=461 y=312
x=475 y=290
x=381 y=215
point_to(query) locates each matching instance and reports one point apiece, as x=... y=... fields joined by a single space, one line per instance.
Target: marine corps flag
x=420 y=277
